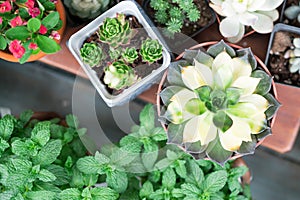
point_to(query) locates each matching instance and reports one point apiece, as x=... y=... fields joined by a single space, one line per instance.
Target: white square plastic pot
x=77 y=39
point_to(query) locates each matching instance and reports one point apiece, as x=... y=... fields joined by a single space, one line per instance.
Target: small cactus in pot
x=218 y=102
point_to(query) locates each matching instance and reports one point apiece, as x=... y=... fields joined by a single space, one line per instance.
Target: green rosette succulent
x=115 y=31
x=91 y=54
x=130 y=55
x=218 y=103
x=118 y=75
x=151 y=51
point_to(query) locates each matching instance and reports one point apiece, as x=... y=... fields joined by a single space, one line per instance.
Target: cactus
x=118 y=75
x=91 y=54
x=151 y=51
x=293 y=12
x=130 y=55
x=116 y=31
x=193 y=14
x=293 y=55
x=87 y=9
x=160 y=5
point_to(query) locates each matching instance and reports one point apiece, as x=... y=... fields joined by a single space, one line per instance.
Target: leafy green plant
x=174 y=13
x=118 y=75
x=151 y=51
x=218 y=102
x=91 y=54
x=130 y=55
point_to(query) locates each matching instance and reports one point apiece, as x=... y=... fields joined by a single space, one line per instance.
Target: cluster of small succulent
x=293 y=55
x=116 y=32
x=293 y=12
x=173 y=14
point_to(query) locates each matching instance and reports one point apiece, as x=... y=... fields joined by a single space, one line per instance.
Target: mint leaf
x=149 y=159
x=169 y=178
x=131 y=144
x=158 y=194
x=19 y=148
x=181 y=169
x=46 y=176
x=101 y=193
x=177 y=193
x=90 y=179
x=41 y=195
x=77 y=178
x=86 y=193
x=195 y=174
x=41 y=133
x=101 y=158
x=147 y=117
x=3 y=174
x=19 y=165
x=117 y=180
x=48 y=153
x=26 y=116
x=190 y=189
x=3 y=145
x=215 y=181
x=163 y=163
x=88 y=165
x=62 y=177
x=146 y=190
x=7 y=195
x=171 y=155
x=159 y=134
x=6 y=126
x=121 y=157
x=70 y=194
x=72 y=121
x=38 y=185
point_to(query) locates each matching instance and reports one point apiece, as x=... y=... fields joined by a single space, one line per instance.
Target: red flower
x=30 y=3
x=17 y=21
x=43 y=30
x=34 y=12
x=16 y=48
x=55 y=35
x=32 y=46
x=5 y=7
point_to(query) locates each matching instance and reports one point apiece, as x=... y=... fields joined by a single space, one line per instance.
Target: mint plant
x=174 y=13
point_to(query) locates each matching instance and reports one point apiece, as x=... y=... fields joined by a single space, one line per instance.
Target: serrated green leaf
x=190 y=189
x=149 y=145
x=7 y=195
x=90 y=179
x=3 y=174
x=39 y=185
x=101 y=193
x=155 y=176
x=131 y=144
x=19 y=165
x=169 y=178
x=146 y=190
x=101 y=158
x=6 y=126
x=3 y=145
x=149 y=159
x=41 y=195
x=70 y=194
x=194 y=173
x=26 y=116
x=88 y=165
x=147 y=117
x=163 y=163
x=76 y=178
x=158 y=194
x=51 y=20
x=122 y=157
x=19 y=147
x=17 y=33
x=33 y=24
x=72 y=121
x=47 y=45
x=86 y=193
x=171 y=155
x=41 y=133
x=181 y=168
x=159 y=134
x=49 y=153
x=117 y=180
x=61 y=174
x=46 y=176
x=177 y=193
x=215 y=181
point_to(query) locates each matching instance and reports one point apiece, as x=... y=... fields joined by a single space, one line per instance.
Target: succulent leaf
x=91 y=54
x=118 y=75
x=151 y=51
x=130 y=55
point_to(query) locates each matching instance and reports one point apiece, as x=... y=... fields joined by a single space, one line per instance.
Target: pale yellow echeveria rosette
x=218 y=102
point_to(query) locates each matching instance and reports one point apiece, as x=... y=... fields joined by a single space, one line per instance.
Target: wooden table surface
x=286 y=126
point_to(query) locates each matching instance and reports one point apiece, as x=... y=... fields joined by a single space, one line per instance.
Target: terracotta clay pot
x=60 y=9
x=203 y=45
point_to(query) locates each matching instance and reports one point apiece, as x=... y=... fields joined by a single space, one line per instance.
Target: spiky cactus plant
x=91 y=54
x=218 y=102
x=151 y=50
x=118 y=75
x=116 y=31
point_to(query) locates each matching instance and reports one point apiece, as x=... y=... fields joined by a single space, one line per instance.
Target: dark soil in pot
x=278 y=64
x=141 y=68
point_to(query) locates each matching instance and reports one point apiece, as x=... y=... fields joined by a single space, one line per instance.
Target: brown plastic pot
x=206 y=44
x=60 y=9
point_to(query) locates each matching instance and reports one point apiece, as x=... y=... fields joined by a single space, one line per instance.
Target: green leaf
x=131 y=144
x=46 y=176
x=3 y=174
x=146 y=190
x=169 y=178
x=147 y=117
x=17 y=33
x=47 y=45
x=90 y=179
x=195 y=106
x=25 y=56
x=190 y=189
x=26 y=116
x=221 y=46
x=264 y=84
x=101 y=193
x=70 y=194
x=181 y=169
x=6 y=126
x=117 y=180
x=77 y=178
x=88 y=165
x=41 y=195
x=101 y=158
x=33 y=24
x=159 y=134
x=3 y=43
x=177 y=193
x=222 y=121
x=86 y=193
x=163 y=163
x=41 y=133
x=49 y=153
x=167 y=93
x=157 y=195
x=195 y=174
x=215 y=181
x=203 y=93
x=233 y=95
x=3 y=145
x=7 y=195
x=19 y=148
x=72 y=121
x=274 y=106
x=51 y=20
x=62 y=177
x=216 y=152
x=38 y=185
x=171 y=155
x=19 y=165
x=121 y=157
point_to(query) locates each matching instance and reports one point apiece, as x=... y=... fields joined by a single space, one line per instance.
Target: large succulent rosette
x=218 y=102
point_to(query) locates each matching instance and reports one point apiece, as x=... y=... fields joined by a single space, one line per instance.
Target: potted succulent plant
x=290 y=13
x=236 y=15
x=41 y=159
x=120 y=52
x=30 y=29
x=218 y=103
x=179 y=16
